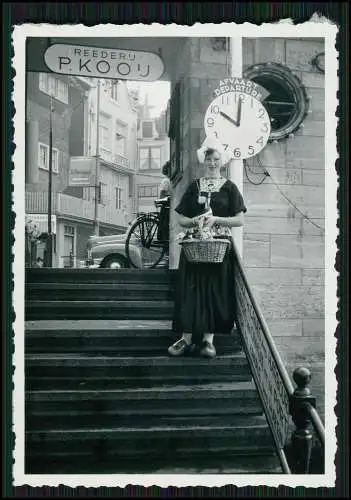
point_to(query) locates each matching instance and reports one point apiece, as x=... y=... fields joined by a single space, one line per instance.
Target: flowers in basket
x=32 y=230
x=199 y=243
x=200 y=231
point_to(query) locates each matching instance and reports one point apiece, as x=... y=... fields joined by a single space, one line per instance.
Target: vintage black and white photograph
x=175 y=291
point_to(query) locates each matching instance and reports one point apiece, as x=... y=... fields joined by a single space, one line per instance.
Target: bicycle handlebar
x=162 y=202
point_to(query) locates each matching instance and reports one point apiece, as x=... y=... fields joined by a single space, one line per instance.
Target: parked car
x=109 y=251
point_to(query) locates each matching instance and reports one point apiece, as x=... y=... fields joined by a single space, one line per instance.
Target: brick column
x=200 y=66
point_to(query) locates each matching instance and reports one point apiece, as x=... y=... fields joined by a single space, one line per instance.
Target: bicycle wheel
x=143 y=249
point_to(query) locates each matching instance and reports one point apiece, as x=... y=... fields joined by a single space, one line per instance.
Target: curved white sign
x=81 y=60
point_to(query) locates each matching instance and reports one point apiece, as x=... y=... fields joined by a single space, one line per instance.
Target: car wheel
x=114 y=262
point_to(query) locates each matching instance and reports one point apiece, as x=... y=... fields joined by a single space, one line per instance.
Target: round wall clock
x=240 y=122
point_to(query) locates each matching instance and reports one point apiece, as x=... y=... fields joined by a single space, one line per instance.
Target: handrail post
x=301 y=441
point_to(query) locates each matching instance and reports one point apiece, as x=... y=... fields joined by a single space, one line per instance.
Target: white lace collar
x=210 y=185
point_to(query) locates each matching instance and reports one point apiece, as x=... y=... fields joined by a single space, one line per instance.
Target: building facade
x=74 y=127
x=67 y=95
x=153 y=153
x=117 y=144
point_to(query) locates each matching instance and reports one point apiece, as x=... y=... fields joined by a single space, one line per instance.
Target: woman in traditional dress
x=205 y=301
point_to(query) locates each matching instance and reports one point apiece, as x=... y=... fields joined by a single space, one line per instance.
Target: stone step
x=187 y=436
x=217 y=392
x=104 y=309
x=65 y=408
x=91 y=372
x=97 y=276
x=115 y=342
x=98 y=292
x=264 y=461
x=108 y=399
x=89 y=420
x=91 y=324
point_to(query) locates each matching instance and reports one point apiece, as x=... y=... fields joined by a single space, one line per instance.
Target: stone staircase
x=102 y=395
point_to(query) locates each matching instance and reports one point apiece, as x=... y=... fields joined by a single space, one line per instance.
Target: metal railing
x=281 y=402
x=121 y=161
x=116 y=160
x=64 y=204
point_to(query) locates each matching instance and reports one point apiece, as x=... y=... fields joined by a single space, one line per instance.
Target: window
x=150 y=158
x=69 y=230
x=104 y=131
x=119 y=198
x=104 y=137
x=68 y=245
x=131 y=185
x=120 y=138
x=148 y=191
x=147 y=130
x=88 y=193
x=53 y=86
x=44 y=158
x=120 y=144
x=104 y=193
x=114 y=91
x=287 y=102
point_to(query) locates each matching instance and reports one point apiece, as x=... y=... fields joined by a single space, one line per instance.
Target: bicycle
x=144 y=233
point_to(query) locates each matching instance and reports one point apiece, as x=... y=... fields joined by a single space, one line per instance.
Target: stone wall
x=283 y=252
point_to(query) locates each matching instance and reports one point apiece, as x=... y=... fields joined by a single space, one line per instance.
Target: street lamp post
x=97 y=163
x=49 y=240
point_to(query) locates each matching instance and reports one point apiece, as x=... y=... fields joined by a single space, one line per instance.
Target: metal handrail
x=283 y=461
x=280 y=365
x=317 y=423
x=315 y=418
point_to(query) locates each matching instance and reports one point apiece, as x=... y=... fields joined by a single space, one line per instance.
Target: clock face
x=240 y=122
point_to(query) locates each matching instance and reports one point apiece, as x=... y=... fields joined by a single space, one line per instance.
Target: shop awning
x=41 y=221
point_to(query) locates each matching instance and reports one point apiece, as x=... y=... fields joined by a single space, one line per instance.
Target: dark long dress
x=204 y=298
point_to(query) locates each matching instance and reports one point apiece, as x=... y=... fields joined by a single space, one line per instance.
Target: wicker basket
x=210 y=251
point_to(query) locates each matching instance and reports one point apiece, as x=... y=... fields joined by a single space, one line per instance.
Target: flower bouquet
x=32 y=230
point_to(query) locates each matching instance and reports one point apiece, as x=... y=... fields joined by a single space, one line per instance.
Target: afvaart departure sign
x=80 y=60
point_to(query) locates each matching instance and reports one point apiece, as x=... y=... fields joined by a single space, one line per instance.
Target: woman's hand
x=210 y=221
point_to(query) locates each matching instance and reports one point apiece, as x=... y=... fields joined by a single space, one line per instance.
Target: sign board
x=81 y=60
x=41 y=221
x=81 y=171
x=236 y=84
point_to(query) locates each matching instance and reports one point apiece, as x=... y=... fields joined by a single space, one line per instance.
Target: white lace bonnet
x=213 y=143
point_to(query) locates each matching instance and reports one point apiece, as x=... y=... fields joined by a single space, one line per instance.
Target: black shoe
x=181 y=348
x=207 y=350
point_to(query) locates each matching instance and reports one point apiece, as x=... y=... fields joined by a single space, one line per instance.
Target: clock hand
x=228 y=118
x=238 y=116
